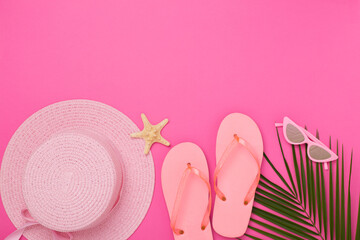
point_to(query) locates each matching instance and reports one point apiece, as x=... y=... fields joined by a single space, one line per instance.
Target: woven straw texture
x=32 y=147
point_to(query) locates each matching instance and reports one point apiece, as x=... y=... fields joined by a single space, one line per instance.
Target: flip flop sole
x=231 y=217
x=195 y=197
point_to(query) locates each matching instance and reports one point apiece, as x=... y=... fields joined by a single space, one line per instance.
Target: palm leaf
x=303 y=180
x=313 y=190
x=342 y=231
x=357 y=234
x=323 y=207
x=318 y=194
x=274 y=229
x=284 y=223
x=297 y=172
x=279 y=199
x=331 y=198
x=300 y=211
x=263 y=184
x=277 y=172
x=294 y=227
x=250 y=236
x=277 y=187
x=337 y=197
x=286 y=165
x=323 y=201
x=287 y=212
x=348 y=227
x=309 y=181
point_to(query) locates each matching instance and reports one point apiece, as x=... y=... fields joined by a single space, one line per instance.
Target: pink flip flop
x=239 y=152
x=187 y=192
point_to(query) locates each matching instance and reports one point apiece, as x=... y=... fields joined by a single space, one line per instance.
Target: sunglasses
x=296 y=135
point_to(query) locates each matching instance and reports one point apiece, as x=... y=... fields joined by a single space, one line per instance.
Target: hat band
x=29 y=222
x=16 y=235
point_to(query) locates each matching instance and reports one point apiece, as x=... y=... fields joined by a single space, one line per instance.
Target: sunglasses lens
x=294 y=134
x=318 y=153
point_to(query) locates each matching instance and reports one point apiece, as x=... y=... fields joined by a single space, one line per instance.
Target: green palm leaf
x=277 y=172
x=279 y=200
x=323 y=201
x=297 y=172
x=300 y=210
x=310 y=184
x=290 y=199
x=342 y=227
x=312 y=188
x=274 y=229
x=303 y=180
x=357 y=234
x=337 y=197
x=309 y=181
x=318 y=194
x=348 y=227
x=286 y=165
x=287 y=212
x=251 y=236
x=284 y=223
x=331 y=198
x=321 y=189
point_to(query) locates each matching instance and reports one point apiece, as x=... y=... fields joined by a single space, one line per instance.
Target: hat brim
x=139 y=175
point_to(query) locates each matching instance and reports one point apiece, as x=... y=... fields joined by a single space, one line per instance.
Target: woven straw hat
x=71 y=169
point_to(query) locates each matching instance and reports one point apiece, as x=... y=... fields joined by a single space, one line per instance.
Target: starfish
x=151 y=133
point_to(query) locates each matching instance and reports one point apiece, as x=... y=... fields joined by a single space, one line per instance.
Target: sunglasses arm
x=279 y=125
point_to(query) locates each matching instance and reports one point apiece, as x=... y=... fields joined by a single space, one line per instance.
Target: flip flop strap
x=237 y=142
x=180 y=191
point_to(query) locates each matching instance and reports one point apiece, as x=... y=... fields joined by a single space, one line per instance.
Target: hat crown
x=72 y=181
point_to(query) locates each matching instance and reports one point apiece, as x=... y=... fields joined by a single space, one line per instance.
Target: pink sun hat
x=72 y=171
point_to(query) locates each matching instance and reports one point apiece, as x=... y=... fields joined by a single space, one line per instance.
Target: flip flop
x=239 y=152
x=187 y=192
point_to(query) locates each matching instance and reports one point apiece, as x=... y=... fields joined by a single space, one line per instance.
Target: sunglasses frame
x=309 y=139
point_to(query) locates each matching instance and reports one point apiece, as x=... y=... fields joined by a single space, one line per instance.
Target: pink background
x=192 y=61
